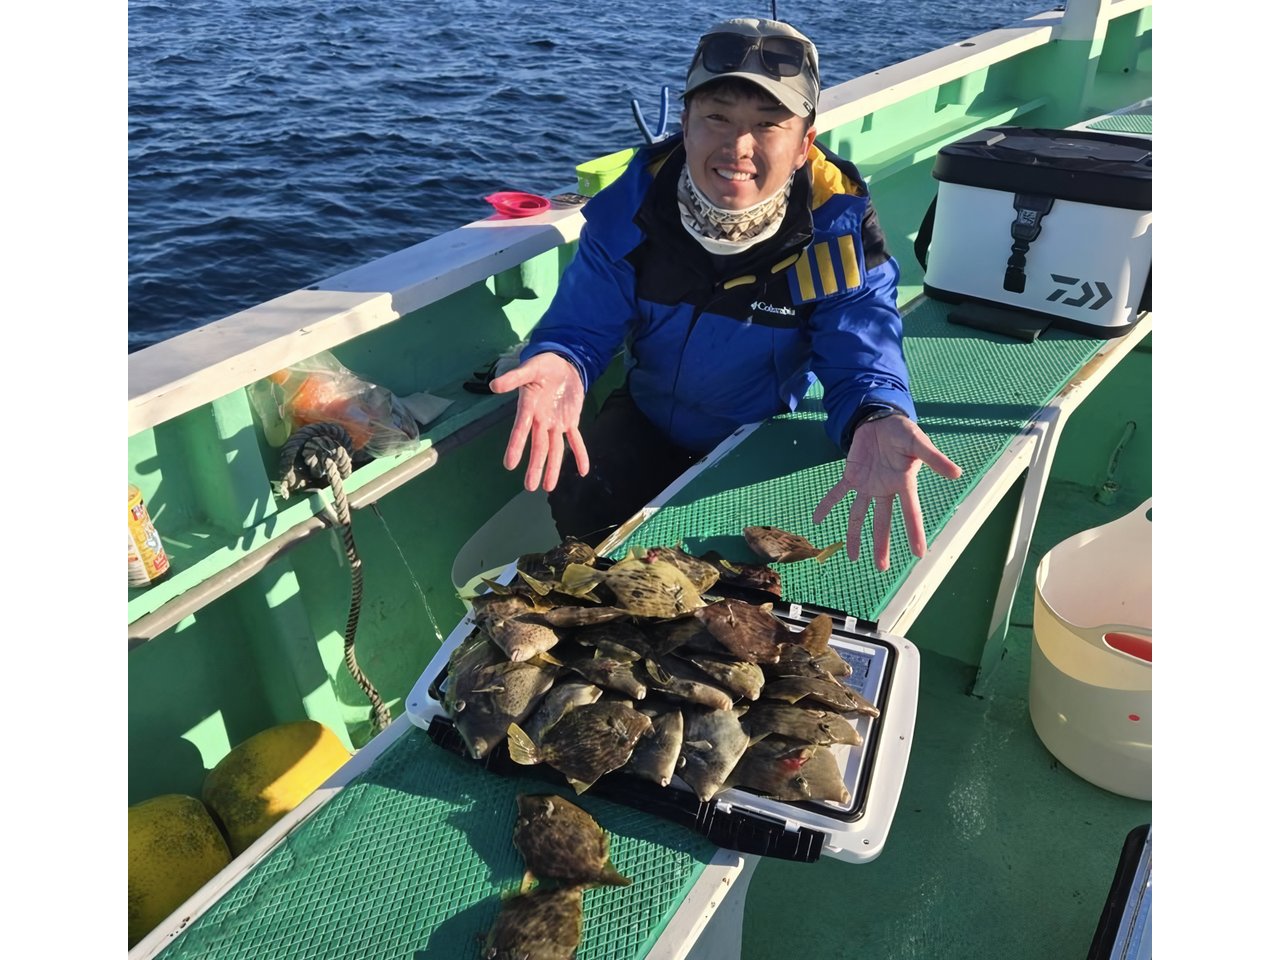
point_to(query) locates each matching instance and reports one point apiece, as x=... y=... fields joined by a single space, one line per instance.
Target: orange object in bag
x=322 y=390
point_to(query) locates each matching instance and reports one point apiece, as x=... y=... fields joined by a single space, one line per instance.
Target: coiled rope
x=319 y=452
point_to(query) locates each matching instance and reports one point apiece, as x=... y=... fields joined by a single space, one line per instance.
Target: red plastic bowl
x=513 y=203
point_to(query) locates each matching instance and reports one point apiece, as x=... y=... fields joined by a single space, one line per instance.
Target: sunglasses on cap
x=726 y=52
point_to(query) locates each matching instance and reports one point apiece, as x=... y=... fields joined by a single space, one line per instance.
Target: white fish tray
x=886 y=670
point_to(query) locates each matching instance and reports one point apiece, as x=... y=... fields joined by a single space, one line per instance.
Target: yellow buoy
x=268 y=775
x=174 y=849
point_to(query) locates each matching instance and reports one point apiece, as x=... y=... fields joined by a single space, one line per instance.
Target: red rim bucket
x=513 y=203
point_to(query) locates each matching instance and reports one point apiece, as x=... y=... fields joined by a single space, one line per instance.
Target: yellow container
x=595 y=175
x=147 y=560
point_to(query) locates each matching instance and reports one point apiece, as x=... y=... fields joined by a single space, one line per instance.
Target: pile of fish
x=639 y=667
x=565 y=852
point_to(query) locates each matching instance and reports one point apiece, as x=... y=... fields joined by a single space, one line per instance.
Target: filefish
x=551 y=564
x=779 y=546
x=575 y=615
x=795 y=661
x=664 y=636
x=543 y=924
x=702 y=574
x=786 y=770
x=616 y=635
x=714 y=741
x=611 y=673
x=652 y=589
x=561 y=841
x=751 y=576
x=831 y=693
x=588 y=742
x=465 y=670
x=809 y=653
x=738 y=677
x=502 y=617
x=504 y=693
x=747 y=630
x=800 y=723
x=559 y=700
x=657 y=753
x=682 y=680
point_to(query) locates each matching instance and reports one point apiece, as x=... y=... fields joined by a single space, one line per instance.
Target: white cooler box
x=1053 y=222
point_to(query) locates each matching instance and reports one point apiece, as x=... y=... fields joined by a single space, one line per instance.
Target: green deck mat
x=974 y=393
x=1125 y=123
x=410 y=861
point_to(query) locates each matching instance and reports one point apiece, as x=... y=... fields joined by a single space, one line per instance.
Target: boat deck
x=408 y=858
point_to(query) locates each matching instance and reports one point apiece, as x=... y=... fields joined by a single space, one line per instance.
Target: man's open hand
x=547 y=413
x=882 y=464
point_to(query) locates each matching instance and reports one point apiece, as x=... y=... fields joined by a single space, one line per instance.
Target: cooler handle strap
x=1030 y=209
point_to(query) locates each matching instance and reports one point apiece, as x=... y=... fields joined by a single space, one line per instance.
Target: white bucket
x=1090 y=695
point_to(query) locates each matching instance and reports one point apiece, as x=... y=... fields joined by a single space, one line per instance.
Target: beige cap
x=799 y=93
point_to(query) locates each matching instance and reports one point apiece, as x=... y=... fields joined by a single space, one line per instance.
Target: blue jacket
x=718 y=342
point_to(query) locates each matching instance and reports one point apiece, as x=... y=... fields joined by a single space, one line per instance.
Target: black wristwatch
x=865 y=414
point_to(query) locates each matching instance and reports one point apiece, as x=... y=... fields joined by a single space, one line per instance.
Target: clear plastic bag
x=321 y=390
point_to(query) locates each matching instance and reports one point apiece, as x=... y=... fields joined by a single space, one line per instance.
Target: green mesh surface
x=974 y=393
x=1125 y=123
x=410 y=861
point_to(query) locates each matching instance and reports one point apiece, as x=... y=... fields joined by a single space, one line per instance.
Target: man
x=736 y=261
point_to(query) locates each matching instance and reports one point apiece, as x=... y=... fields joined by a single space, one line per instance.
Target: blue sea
x=273 y=143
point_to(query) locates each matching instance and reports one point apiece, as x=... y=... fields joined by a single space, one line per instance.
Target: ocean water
x=273 y=143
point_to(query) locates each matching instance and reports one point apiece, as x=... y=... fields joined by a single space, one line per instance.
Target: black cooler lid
x=1107 y=169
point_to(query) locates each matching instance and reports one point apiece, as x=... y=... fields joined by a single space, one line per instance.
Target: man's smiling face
x=741 y=149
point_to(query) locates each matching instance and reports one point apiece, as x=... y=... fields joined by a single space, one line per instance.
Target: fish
x=585 y=744
x=624 y=632
x=679 y=678
x=795 y=661
x=829 y=692
x=560 y=841
x=750 y=576
x=800 y=723
x=496 y=696
x=616 y=636
x=702 y=574
x=573 y=615
x=543 y=924
x=652 y=588
x=747 y=630
x=664 y=636
x=809 y=653
x=657 y=753
x=737 y=677
x=465 y=669
x=611 y=673
x=784 y=769
x=503 y=618
x=558 y=701
x=714 y=741
x=780 y=546
x=550 y=566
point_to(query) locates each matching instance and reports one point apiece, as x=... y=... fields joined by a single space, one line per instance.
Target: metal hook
x=649 y=135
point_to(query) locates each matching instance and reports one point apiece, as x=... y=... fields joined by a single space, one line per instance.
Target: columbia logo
x=770 y=308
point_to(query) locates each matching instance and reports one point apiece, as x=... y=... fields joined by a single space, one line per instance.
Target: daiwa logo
x=770 y=308
x=1086 y=294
